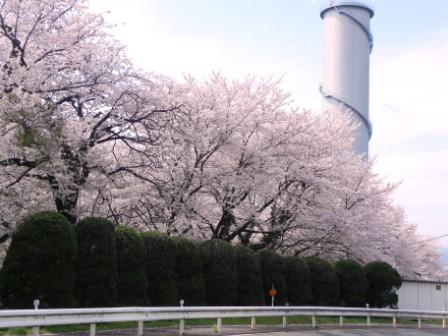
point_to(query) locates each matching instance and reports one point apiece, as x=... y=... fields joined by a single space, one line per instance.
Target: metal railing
x=50 y=317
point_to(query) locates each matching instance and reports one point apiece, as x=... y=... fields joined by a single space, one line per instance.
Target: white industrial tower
x=348 y=44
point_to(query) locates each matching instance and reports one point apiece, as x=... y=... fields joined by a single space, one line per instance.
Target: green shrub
x=324 y=282
x=383 y=281
x=298 y=281
x=250 y=280
x=273 y=269
x=220 y=273
x=352 y=283
x=190 y=281
x=132 y=283
x=40 y=263
x=96 y=277
x=160 y=269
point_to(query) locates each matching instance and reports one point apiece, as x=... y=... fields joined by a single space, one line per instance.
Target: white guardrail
x=47 y=317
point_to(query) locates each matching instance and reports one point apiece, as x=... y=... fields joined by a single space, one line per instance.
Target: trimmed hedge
x=383 y=282
x=188 y=270
x=40 y=263
x=324 y=282
x=132 y=283
x=273 y=270
x=352 y=283
x=96 y=282
x=220 y=273
x=298 y=281
x=160 y=269
x=250 y=279
x=96 y=265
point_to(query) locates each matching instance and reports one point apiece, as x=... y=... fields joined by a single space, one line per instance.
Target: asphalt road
x=239 y=331
x=360 y=332
x=325 y=331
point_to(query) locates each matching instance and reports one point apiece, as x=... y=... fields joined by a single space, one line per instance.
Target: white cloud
x=176 y=53
x=408 y=92
x=410 y=117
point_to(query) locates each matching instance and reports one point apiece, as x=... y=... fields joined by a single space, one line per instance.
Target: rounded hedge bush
x=160 y=269
x=324 y=282
x=298 y=281
x=220 y=273
x=96 y=277
x=190 y=281
x=250 y=280
x=40 y=263
x=273 y=269
x=383 y=281
x=352 y=283
x=132 y=283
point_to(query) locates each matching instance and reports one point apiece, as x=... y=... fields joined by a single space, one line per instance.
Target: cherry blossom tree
x=73 y=109
x=247 y=167
x=241 y=150
x=83 y=132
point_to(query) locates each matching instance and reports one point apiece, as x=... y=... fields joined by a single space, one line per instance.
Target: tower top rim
x=335 y=4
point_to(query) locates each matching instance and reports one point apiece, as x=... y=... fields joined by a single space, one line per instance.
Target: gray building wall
x=423 y=295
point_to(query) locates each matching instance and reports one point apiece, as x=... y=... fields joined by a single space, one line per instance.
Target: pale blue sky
x=409 y=71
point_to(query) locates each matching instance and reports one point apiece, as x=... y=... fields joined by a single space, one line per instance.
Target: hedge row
x=95 y=264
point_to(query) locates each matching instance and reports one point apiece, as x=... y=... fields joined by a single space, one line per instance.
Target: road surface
x=240 y=331
x=359 y=332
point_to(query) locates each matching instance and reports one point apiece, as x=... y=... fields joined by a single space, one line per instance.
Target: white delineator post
x=36 y=303
x=181 y=322
x=345 y=86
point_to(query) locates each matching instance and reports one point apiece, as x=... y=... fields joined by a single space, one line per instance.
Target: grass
x=297 y=320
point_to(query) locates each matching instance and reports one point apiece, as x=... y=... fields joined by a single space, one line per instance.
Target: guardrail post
x=313 y=321
x=394 y=321
x=443 y=323
x=284 y=322
x=92 y=331
x=219 y=325
x=368 y=321
x=419 y=323
x=140 y=328
x=341 y=321
x=253 y=322
x=35 y=331
x=181 y=322
x=181 y=327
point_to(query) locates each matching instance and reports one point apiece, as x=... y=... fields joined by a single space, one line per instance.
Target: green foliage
x=298 y=281
x=30 y=137
x=324 y=282
x=189 y=276
x=250 y=280
x=40 y=263
x=220 y=273
x=383 y=282
x=160 y=269
x=42 y=260
x=26 y=137
x=352 y=283
x=132 y=283
x=96 y=283
x=273 y=269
